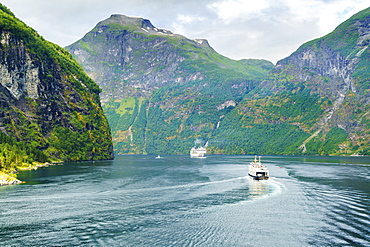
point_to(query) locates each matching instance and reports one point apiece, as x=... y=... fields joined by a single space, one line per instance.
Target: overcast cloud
x=262 y=29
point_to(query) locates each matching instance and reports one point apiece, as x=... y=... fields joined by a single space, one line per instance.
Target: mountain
x=162 y=91
x=50 y=109
x=316 y=101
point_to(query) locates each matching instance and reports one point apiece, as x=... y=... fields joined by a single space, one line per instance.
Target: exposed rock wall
x=18 y=73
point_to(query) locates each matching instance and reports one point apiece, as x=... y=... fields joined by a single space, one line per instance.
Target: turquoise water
x=178 y=201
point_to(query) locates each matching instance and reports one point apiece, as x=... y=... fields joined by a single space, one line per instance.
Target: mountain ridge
x=317 y=98
x=330 y=73
x=136 y=24
x=137 y=69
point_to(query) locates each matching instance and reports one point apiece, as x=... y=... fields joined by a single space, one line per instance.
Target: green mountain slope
x=161 y=91
x=49 y=108
x=315 y=101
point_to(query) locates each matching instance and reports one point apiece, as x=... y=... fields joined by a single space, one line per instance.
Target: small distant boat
x=158 y=157
x=199 y=152
x=257 y=170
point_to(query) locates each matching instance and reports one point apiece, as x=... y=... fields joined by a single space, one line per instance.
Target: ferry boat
x=257 y=170
x=199 y=152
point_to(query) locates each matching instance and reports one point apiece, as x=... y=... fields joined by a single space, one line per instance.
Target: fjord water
x=178 y=201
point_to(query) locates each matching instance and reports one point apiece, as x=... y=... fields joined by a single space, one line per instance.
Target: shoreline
x=6 y=179
x=36 y=165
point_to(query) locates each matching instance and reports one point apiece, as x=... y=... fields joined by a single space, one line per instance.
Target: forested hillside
x=316 y=101
x=49 y=108
x=162 y=91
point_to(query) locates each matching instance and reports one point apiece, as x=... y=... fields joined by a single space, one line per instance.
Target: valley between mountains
x=128 y=87
x=162 y=92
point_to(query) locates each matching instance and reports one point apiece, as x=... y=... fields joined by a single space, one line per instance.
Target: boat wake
x=278 y=187
x=265 y=188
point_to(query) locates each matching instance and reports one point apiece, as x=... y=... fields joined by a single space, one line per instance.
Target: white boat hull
x=257 y=171
x=198 y=152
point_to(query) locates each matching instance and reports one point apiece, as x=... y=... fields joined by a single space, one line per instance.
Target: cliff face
x=320 y=93
x=24 y=79
x=161 y=91
x=47 y=102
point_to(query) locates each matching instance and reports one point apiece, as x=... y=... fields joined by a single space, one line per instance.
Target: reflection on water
x=258 y=188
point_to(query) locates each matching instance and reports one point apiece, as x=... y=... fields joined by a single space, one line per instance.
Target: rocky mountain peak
x=133 y=24
x=203 y=43
x=128 y=21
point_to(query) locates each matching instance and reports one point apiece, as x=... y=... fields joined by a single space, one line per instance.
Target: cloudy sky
x=262 y=29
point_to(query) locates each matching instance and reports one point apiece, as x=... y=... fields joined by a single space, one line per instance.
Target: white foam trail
x=190 y=185
x=279 y=187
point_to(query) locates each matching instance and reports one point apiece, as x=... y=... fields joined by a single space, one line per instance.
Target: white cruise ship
x=199 y=152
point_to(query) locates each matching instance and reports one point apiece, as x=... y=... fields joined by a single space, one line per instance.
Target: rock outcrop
x=5 y=179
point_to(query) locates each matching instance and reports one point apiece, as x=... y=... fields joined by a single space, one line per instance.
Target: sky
x=238 y=29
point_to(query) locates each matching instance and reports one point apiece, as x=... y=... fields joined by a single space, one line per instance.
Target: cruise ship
x=199 y=152
x=257 y=170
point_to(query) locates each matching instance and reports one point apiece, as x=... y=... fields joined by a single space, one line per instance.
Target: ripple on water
x=345 y=218
x=170 y=203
